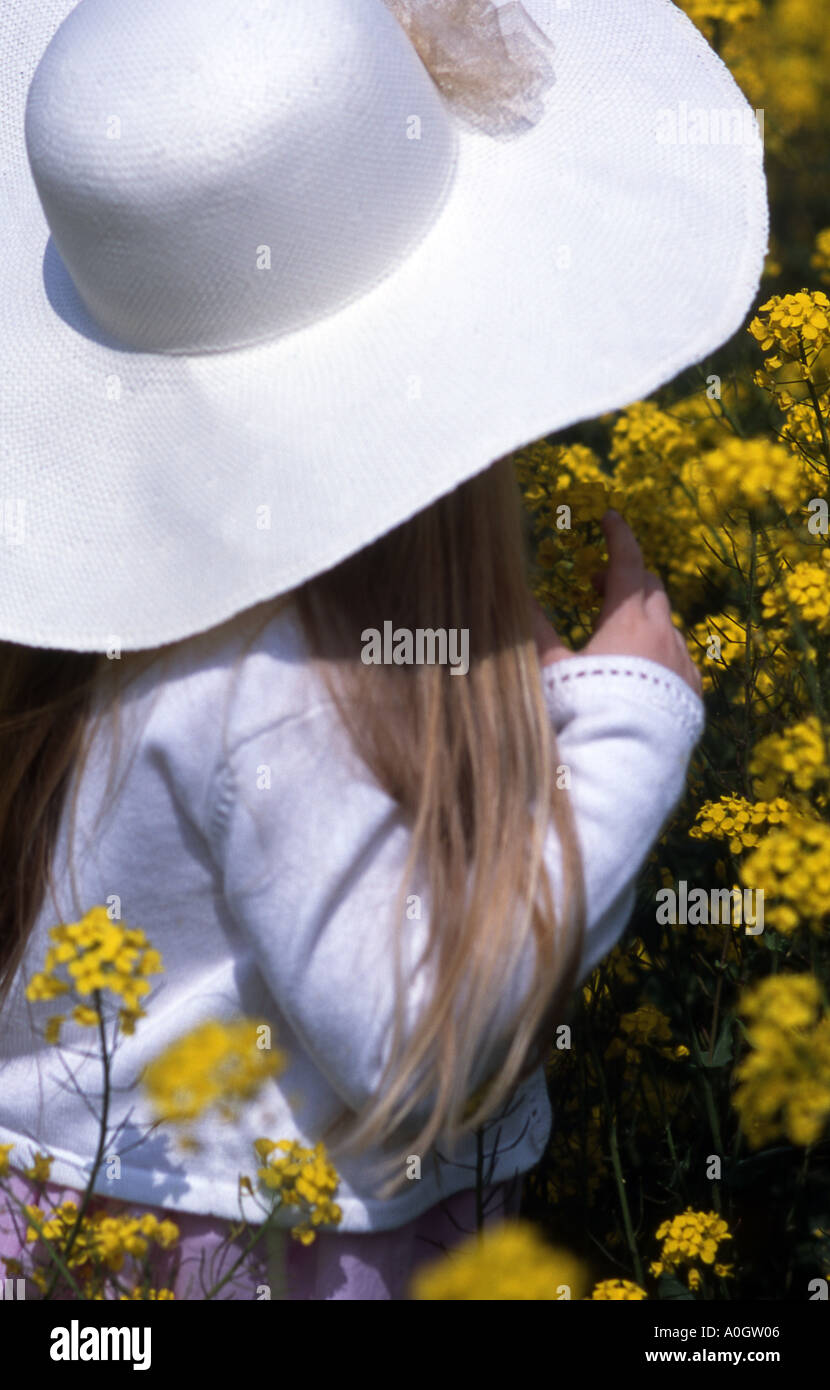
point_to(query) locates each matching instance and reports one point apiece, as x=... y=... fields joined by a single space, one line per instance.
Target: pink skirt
x=376 y=1265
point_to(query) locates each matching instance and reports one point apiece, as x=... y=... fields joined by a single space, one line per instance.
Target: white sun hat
x=277 y=274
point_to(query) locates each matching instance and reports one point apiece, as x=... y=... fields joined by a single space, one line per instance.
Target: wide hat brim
x=571 y=271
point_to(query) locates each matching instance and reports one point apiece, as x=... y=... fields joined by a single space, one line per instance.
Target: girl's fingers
x=625 y=575
x=654 y=595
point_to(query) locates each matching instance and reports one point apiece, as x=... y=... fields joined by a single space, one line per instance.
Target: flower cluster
x=690 y=1240
x=97 y=954
x=805 y=589
x=792 y=868
x=791 y=330
x=160 y=1295
x=305 y=1179
x=795 y=758
x=748 y=475
x=618 y=1290
x=215 y=1066
x=509 y=1263
x=738 y=820
x=784 y=1080
x=101 y=1243
x=707 y=14
x=645 y=1027
x=647 y=445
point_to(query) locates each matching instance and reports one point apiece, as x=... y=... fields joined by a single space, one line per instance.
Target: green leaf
x=723 y=1047
x=670 y=1288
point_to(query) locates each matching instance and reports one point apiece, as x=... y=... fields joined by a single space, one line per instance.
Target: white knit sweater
x=261 y=860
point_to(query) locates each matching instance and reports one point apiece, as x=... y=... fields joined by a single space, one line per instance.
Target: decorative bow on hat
x=491 y=63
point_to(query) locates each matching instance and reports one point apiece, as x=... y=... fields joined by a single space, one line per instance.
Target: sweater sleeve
x=625 y=732
x=311 y=863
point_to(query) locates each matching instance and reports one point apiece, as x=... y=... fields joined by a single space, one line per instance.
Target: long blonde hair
x=471 y=761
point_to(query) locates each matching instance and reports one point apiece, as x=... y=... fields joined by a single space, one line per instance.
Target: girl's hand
x=635 y=618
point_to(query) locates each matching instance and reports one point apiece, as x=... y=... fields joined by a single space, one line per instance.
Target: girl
x=273 y=901
x=403 y=870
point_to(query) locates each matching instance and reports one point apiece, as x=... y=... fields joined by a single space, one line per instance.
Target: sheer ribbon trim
x=491 y=63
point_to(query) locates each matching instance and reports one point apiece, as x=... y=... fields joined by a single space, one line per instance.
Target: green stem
x=102 y=1141
x=727 y=936
x=619 y=1179
x=748 y=663
x=266 y=1226
x=63 y=1268
x=825 y=442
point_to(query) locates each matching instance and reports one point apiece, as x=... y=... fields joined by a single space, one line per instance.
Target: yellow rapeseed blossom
x=784 y=1080
x=625 y=963
x=806 y=589
x=706 y=14
x=40 y=1168
x=216 y=1065
x=304 y=1178
x=648 y=443
x=618 y=1290
x=102 y=1241
x=739 y=821
x=5 y=1150
x=159 y=1295
x=793 y=332
x=510 y=1263
x=794 y=759
x=792 y=328
x=644 y=1027
x=802 y=428
x=96 y=954
x=792 y=868
x=548 y=473
x=754 y=475
x=689 y=1240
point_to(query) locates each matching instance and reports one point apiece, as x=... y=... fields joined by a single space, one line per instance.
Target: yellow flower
x=806 y=589
x=791 y=867
x=509 y=1263
x=103 y=1240
x=784 y=1080
x=5 y=1150
x=618 y=1289
x=41 y=986
x=96 y=954
x=733 y=14
x=216 y=1065
x=53 y=1028
x=793 y=327
x=738 y=820
x=794 y=758
x=40 y=1168
x=690 y=1239
x=305 y=1179
x=152 y=1294
x=85 y=1016
x=748 y=475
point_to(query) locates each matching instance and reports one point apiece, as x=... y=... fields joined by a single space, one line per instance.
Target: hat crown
x=219 y=172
